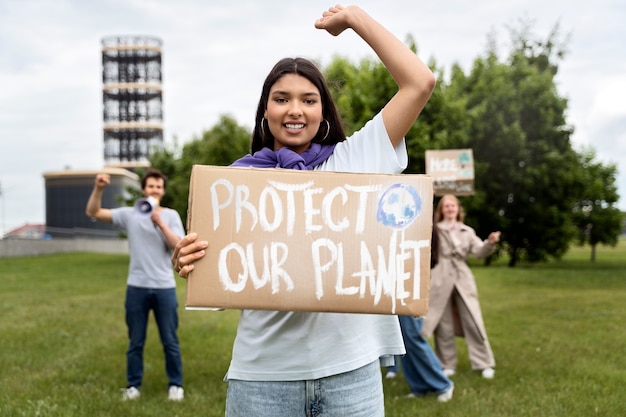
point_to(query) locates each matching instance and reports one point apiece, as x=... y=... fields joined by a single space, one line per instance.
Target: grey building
x=67 y=193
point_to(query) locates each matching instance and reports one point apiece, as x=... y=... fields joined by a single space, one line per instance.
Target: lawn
x=557 y=331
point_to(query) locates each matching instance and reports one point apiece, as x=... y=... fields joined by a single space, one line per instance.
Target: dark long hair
x=263 y=138
x=434 y=247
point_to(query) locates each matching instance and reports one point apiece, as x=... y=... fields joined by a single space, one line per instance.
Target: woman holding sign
x=454 y=308
x=301 y=363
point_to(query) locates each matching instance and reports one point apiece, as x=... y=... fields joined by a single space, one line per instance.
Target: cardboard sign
x=452 y=171
x=310 y=241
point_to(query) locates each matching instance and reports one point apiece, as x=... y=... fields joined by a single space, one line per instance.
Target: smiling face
x=154 y=188
x=294 y=112
x=450 y=208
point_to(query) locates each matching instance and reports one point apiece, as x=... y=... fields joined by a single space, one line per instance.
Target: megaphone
x=145 y=206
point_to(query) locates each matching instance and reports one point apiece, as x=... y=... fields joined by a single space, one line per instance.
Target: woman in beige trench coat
x=454 y=309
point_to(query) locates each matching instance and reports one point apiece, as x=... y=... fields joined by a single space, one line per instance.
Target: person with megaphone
x=153 y=231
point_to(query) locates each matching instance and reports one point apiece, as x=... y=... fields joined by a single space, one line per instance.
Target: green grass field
x=557 y=331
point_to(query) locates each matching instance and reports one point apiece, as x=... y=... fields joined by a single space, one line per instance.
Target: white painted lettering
x=216 y=204
x=443 y=164
x=361 y=211
x=318 y=267
x=310 y=211
x=290 y=189
x=224 y=275
x=264 y=279
x=278 y=273
x=278 y=253
x=242 y=194
x=415 y=247
x=276 y=206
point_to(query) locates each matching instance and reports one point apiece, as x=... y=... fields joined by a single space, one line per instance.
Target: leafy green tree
x=443 y=124
x=512 y=117
x=359 y=91
x=510 y=113
x=597 y=218
x=225 y=142
x=362 y=90
x=525 y=164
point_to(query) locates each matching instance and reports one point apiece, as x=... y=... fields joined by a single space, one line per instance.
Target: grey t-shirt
x=150 y=264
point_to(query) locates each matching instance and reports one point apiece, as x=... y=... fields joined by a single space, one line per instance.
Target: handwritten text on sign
x=346 y=239
x=452 y=171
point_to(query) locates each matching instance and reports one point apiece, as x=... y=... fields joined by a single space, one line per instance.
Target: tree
x=359 y=91
x=362 y=90
x=512 y=117
x=525 y=164
x=443 y=124
x=594 y=212
x=225 y=142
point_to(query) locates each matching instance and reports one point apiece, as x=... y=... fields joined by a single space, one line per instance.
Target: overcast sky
x=215 y=58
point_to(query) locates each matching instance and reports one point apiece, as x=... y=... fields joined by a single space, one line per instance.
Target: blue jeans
x=421 y=367
x=357 y=393
x=164 y=304
x=395 y=368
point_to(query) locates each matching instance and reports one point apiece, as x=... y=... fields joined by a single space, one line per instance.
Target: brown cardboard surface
x=310 y=241
x=452 y=171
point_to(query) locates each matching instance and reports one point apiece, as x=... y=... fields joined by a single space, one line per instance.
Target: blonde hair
x=439 y=212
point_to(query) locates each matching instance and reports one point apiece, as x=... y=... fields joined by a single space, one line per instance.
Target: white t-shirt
x=295 y=346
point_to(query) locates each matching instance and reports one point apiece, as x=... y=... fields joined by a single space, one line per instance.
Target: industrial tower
x=132 y=99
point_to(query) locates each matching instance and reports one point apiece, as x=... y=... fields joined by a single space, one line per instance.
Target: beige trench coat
x=453 y=272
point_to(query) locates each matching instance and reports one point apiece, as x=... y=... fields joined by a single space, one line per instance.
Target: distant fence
x=33 y=247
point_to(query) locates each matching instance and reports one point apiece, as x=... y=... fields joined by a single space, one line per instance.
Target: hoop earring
x=327 y=130
x=262 y=129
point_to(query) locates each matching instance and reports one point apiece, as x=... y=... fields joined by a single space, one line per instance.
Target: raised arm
x=415 y=80
x=94 y=204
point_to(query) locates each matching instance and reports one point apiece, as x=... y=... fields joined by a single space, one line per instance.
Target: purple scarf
x=286 y=158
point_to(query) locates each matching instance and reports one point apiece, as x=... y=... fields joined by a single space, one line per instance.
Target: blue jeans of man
x=421 y=367
x=164 y=304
